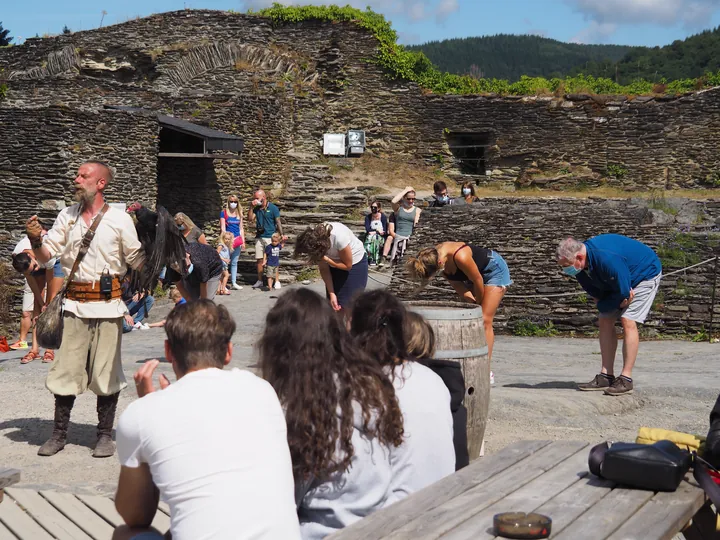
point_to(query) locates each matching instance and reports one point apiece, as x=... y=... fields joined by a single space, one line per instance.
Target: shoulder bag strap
x=87 y=239
x=702 y=477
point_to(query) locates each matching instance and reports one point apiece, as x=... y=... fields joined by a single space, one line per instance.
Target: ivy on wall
x=400 y=63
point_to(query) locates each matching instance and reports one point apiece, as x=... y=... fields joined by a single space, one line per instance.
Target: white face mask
x=466 y=191
x=233 y=205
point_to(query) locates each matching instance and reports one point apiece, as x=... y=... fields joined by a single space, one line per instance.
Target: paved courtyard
x=534 y=396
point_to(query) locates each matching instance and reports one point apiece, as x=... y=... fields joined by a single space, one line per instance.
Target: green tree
x=5 y=38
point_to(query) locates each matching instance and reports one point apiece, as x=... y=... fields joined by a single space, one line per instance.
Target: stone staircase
x=310 y=197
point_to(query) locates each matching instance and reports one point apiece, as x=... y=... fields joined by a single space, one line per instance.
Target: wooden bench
x=8 y=477
x=27 y=514
x=551 y=478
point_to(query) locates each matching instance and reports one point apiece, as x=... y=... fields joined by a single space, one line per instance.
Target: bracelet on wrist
x=36 y=243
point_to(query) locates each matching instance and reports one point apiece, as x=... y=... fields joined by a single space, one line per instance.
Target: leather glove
x=33 y=229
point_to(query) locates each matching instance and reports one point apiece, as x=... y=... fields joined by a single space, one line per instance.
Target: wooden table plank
x=5 y=533
x=527 y=498
x=105 y=508
x=389 y=519
x=567 y=506
x=20 y=523
x=78 y=513
x=605 y=517
x=47 y=515
x=9 y=477
x=664 y=515
x=444 y=518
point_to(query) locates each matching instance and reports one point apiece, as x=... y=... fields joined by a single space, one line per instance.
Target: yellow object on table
x=686 y=441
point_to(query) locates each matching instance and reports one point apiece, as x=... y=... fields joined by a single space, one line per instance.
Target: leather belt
x=90 y=292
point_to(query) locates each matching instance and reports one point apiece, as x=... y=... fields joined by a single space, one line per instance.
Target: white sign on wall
x=334 y=144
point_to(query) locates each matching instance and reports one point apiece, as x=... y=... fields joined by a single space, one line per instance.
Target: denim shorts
x=496 y=273
x=57 y=270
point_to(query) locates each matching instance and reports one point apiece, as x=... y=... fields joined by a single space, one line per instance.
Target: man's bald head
x=259 y=194
x=103 y=169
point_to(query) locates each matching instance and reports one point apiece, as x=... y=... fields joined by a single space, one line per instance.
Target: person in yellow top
x=89 y=357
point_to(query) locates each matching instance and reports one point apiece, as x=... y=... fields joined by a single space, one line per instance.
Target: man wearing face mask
x=622 y=275
x=440 y=195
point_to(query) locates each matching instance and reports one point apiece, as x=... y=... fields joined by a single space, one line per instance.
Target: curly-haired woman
x=343 y=418
x=427 y=455
x=340 y=257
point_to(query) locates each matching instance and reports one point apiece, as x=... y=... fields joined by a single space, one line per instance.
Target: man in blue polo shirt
x=622 y=275
x=266 y=217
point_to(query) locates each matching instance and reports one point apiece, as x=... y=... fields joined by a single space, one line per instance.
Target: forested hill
x=682 y=59
x=508 y=56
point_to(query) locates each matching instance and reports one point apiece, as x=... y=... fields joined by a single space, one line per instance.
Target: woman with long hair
x=421 y=347
x=191 y=232
x=343 y=418
x=427 y=455
x=231 y=220
x=340 y=257
x=478 y=275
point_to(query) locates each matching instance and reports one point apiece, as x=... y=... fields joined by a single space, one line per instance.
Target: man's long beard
x=85 y=197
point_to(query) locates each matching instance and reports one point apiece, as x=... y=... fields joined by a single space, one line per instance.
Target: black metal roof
x=214 y=139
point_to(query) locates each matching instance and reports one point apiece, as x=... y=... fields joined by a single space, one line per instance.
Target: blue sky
x=630 y=22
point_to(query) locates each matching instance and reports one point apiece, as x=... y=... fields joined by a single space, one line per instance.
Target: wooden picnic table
x=550 y=478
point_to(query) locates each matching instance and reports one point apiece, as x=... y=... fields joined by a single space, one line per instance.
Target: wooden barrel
x=460 y=337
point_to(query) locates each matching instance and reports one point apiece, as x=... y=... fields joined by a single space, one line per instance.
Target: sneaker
x=237 y=287
x=600 y=382
x=144 y=326
x=19 y=345
x=277 y=285
x=492 y=382
x=621 y=385
x=258 y=284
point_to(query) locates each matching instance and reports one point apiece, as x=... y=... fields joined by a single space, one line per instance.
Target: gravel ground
x=533 y=398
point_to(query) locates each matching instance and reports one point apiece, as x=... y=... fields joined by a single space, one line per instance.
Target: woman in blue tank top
x=231 y=221
x=478 y=275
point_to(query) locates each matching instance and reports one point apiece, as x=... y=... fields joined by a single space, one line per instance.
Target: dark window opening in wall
x=175 y=142
x=470 y=150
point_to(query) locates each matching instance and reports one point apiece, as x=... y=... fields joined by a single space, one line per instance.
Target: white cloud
x=693 y=14
x=596 y=32
x=414 y=10
x=446 y=8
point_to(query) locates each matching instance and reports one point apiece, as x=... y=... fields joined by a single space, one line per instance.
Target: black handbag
x=655 y=467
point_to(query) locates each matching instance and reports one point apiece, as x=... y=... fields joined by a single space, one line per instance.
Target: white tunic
x=114 y=248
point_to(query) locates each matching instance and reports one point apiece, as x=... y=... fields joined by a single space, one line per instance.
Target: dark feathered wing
x=163 y=243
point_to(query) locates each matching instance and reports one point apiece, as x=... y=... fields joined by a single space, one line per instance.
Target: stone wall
x=39 y=161
x=318 y=77
x=526 y=232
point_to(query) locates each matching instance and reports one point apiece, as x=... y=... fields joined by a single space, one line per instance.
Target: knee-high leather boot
x=63 y=406
x=106 y=406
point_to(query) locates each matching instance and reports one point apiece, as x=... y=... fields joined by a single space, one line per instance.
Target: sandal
x=48 y=357
x=29 y=357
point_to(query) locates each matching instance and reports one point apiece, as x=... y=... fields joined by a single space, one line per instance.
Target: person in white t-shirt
x=428 y=453
x=42 y=283
x=213 y=445
x=340 y=257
